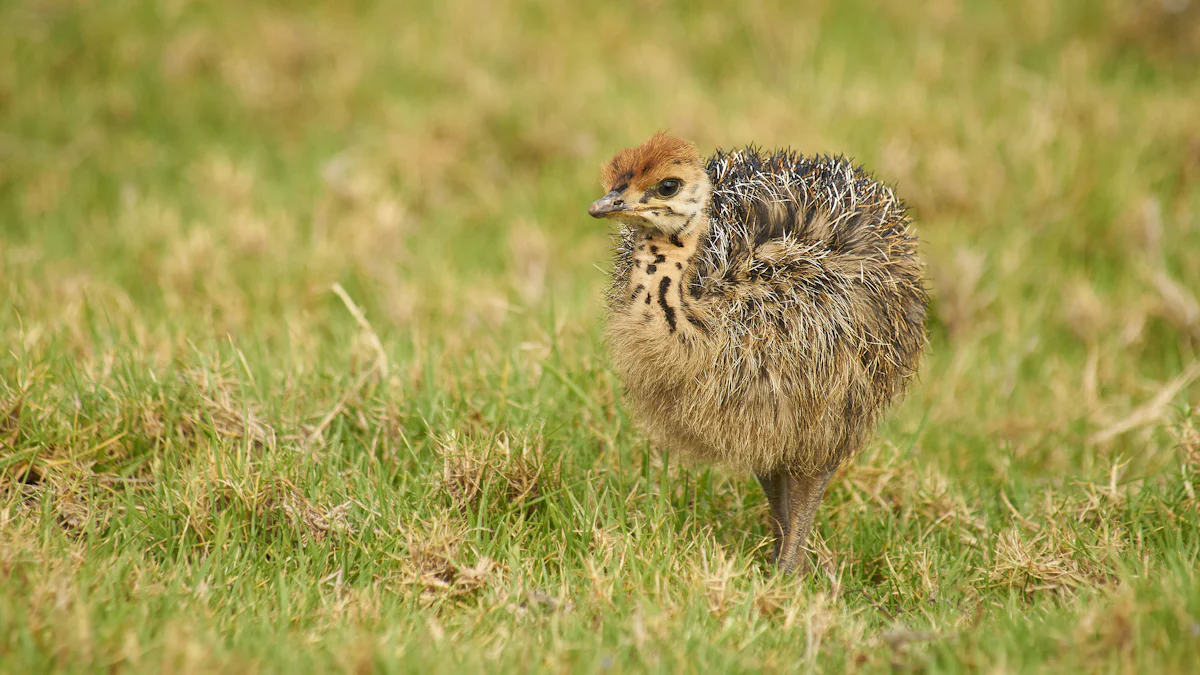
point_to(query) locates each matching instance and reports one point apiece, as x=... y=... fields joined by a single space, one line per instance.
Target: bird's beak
x=607 y=205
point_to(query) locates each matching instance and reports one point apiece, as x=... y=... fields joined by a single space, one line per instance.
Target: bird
x=765 y=308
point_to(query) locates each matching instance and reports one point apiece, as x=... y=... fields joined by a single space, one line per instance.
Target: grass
x=303 y=368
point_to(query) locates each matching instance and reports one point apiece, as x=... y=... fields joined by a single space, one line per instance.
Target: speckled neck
x=661 y=264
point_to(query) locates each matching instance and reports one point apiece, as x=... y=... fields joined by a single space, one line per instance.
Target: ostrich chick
x=764 y=310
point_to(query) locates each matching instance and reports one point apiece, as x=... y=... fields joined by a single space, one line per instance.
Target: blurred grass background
x=212 y=461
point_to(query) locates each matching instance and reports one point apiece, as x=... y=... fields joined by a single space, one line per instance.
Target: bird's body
x=763 y=312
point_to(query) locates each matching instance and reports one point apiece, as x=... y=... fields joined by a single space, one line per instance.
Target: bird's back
x=814 y=252
x=824 y=201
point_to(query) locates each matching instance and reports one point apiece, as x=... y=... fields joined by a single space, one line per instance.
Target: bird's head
x=660 y=184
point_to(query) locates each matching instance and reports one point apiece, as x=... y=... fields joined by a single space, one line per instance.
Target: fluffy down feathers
x=804 y=311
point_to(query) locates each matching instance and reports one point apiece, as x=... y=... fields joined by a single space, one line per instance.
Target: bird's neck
x=661 y=266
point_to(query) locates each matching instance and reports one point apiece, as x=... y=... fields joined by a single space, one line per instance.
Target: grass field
x=302 y=367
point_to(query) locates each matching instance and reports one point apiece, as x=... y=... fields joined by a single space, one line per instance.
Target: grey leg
x=775 y=487
x=803 y=495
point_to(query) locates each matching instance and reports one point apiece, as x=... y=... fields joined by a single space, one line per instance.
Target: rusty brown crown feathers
x=640 y=168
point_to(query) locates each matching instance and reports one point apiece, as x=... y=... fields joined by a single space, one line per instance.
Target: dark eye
x=668 y=187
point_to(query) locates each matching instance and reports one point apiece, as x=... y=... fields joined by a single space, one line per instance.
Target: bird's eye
x=668 y=187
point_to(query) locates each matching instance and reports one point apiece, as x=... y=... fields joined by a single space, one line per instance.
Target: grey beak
x=609 y=203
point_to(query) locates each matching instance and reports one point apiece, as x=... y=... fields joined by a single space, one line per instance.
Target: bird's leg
x=775 y=486
x=803 y=495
